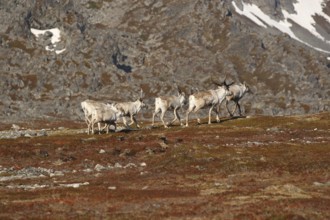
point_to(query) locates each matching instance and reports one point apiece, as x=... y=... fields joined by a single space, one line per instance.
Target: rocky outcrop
x=108 y=50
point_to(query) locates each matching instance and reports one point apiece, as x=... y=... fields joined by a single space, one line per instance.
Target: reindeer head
x=247 y=88
x=182 y=96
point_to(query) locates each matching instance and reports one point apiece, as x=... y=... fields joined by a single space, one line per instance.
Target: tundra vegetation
x=259 y=167
x=131 y=109
x=268 y=165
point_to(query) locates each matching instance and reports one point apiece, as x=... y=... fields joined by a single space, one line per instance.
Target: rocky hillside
x=109 y=49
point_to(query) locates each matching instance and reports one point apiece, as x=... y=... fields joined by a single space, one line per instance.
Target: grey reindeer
x=164 y=103
x=212 y=97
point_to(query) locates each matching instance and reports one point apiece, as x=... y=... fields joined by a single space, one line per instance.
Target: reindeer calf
x=107 y=114
x=164 y=103
x=130 y=109
x=88 y=106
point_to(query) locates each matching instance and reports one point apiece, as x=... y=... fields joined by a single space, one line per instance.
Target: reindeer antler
x=141 y=94
x=224 y=82
x=179 y=89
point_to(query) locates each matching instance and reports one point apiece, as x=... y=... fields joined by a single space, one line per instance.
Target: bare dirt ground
x=259 y=167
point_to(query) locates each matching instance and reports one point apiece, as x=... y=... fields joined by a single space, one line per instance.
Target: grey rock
x=113 y=48
x=99 y=167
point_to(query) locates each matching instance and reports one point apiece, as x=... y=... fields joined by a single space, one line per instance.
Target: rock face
x=109 y=49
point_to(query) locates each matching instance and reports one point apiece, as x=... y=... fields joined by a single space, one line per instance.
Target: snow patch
x=55 y=38
x=60 y=51
x=304 y=16
x=251 y=11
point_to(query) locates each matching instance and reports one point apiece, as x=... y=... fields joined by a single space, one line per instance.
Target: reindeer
x=164 y=103
x=212 y=97
x=130 y=109
x=107 y=114
x=88 y=106
x=238 y=91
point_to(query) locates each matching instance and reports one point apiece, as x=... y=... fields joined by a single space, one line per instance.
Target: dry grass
x=258 y=167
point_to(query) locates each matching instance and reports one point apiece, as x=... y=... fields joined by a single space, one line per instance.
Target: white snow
x=304 y=17
x=56 y=38
x=251 y=11
x=55 y=31
x=60 y=51
x=255 y=14
x=305 y=10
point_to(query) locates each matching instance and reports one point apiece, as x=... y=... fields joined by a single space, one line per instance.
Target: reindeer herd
x=109 y=113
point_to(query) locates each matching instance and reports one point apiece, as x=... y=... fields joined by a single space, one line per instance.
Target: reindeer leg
x=88 y=128
x=175 y=116
x=99 y=127
x=234 y=109
x=195 y=109
x=92 y=126
x=231 y=115
x=239 y=109
x=217 y=112
x=135 y=121
x=87 y=125
x=88 y=122
x=198 y=120
x=105 y=126
x=187 y=117
x=115 y=125
x=125 y=122
x=108 y=128
x=210 y=111
x=153 y=116
x=132 y=120
x=178 y=116
x=153 y=119
x=162 y=119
